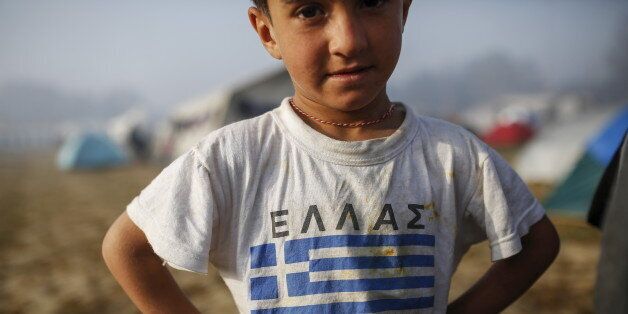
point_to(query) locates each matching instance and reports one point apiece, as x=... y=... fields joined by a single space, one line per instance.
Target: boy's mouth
x=350 y=73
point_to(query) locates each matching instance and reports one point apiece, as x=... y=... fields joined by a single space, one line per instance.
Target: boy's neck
x=371 y=112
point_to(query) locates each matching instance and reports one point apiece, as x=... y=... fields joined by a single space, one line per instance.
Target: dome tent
x=575 y=192
x=89 y=151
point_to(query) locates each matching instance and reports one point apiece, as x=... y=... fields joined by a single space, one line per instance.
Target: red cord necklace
x=385 y=116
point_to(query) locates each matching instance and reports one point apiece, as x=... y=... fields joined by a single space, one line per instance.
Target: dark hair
x=262 y=5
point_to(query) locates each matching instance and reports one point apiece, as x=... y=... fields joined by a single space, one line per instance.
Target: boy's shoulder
x=241 y=137
x=243 y=128
x=442 y=134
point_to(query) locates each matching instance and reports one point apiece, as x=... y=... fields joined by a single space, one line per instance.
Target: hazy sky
x=169 y=51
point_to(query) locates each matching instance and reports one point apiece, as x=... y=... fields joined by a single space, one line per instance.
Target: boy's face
x=339 y=53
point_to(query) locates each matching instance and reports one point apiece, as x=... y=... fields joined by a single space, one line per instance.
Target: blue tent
x=89 y=151
x=575 y=193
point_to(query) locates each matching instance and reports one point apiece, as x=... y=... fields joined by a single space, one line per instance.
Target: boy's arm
x=140 y=272
x=507 y=279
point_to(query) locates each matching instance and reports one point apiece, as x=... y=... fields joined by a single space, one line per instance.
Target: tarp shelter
x=509 y=135
x=529 y=109
x=196 y=118
x=575 y=192
x=89 y=151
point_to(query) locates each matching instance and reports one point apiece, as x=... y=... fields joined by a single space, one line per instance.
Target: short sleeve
x=176 y=213
x=502 y=206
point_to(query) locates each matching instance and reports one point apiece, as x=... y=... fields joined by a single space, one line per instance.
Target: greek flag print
x=343 y=274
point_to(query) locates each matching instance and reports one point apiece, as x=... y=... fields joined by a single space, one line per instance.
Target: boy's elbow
x=553 y=243
x=544 y=241
x=110 y=246
x=124 y=241
x=555 y=246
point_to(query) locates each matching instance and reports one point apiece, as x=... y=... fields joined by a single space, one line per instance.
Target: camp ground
x=197 y=117
x=85 y=202
x=572 y=155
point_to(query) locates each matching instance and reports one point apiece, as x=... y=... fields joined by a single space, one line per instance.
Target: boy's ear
x=264 y=29
x=406 y=9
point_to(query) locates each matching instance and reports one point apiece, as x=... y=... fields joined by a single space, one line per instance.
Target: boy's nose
x=348 y=36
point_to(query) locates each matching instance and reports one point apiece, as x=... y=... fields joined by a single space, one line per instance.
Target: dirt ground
x=52 y=224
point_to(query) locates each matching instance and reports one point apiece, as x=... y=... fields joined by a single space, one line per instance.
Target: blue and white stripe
x=343 y=273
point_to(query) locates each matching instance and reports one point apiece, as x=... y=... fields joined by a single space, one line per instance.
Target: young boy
x=338 y=200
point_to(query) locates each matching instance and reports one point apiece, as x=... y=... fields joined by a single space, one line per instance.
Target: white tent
x=559 y=145
x=197 y=117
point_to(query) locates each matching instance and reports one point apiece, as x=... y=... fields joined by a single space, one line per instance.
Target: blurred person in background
x=609 y=212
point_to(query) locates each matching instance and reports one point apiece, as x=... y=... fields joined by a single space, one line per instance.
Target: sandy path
x=50 y=253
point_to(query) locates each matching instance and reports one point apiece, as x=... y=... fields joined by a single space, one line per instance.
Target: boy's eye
x=372 y=3
x=309 y=12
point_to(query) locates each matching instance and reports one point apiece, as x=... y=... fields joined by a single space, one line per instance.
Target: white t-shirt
x=298 y=222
